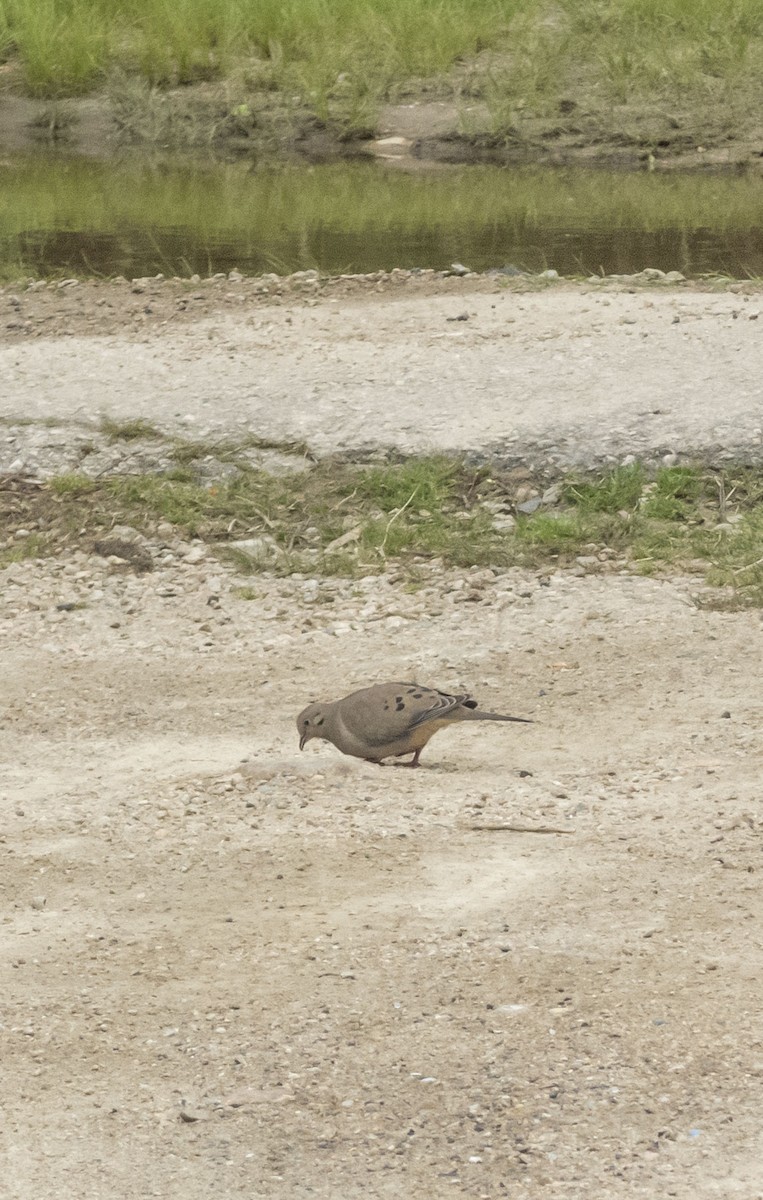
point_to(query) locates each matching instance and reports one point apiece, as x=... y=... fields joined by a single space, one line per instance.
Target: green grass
x=430 y=482
x=354 y=520
x=341 y=58
x=673 y=495
x=618 y=490
x=65 y=45
x=664 y=44
x=62 y=49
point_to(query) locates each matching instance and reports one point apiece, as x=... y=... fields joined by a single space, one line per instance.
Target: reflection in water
x=62 y=215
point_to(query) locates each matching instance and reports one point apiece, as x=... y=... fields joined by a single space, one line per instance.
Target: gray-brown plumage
x=388 y=719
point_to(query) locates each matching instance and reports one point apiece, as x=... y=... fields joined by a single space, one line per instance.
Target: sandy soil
x=232 y=969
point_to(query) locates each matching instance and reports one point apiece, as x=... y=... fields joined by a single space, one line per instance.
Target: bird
x=388 y=720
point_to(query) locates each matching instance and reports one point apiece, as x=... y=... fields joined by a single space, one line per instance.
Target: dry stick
x=344 y=500
x=519 y=829
x=748 y=566
x=721 y=497
x=398 y=512
x=263 y=517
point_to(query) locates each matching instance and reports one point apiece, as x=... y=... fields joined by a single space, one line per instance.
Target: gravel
x=545 y=374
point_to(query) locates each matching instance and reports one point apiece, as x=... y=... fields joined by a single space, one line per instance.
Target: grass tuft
x=619 y=490
x=128 y=431
x=430 y=482
x=72 y=485
x=62 y=45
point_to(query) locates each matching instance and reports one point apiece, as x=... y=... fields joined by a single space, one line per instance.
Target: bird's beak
x=302 y=741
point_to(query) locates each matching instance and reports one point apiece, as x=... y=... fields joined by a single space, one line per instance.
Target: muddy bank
x=202 y=118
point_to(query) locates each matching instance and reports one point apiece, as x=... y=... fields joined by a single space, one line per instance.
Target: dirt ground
x=550 y=373
x=531 y=968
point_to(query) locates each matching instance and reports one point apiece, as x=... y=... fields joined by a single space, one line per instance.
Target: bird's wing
x=385 y=713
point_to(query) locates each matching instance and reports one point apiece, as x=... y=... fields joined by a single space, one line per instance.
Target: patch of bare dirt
x=233 y=967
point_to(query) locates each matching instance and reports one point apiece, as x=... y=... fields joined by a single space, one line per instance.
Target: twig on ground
x=519 y=829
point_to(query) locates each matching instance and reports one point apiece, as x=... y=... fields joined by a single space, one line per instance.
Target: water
x=65 y=216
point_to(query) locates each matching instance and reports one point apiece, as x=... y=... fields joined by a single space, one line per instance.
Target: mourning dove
x=388 y=719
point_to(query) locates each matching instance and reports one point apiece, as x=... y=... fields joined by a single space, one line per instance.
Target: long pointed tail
x=474 y=714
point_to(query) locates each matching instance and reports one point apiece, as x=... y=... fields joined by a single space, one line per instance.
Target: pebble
x=191 y=1115
x=503 y=523
x=530 y=506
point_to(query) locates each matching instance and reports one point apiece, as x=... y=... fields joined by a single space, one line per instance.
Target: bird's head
x=310 y=723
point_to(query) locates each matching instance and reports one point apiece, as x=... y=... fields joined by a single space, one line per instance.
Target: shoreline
x=416 y=136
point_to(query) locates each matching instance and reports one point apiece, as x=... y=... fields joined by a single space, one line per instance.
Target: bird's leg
x=414 y=761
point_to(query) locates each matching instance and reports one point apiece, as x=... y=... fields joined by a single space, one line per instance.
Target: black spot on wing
x=399 y=706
